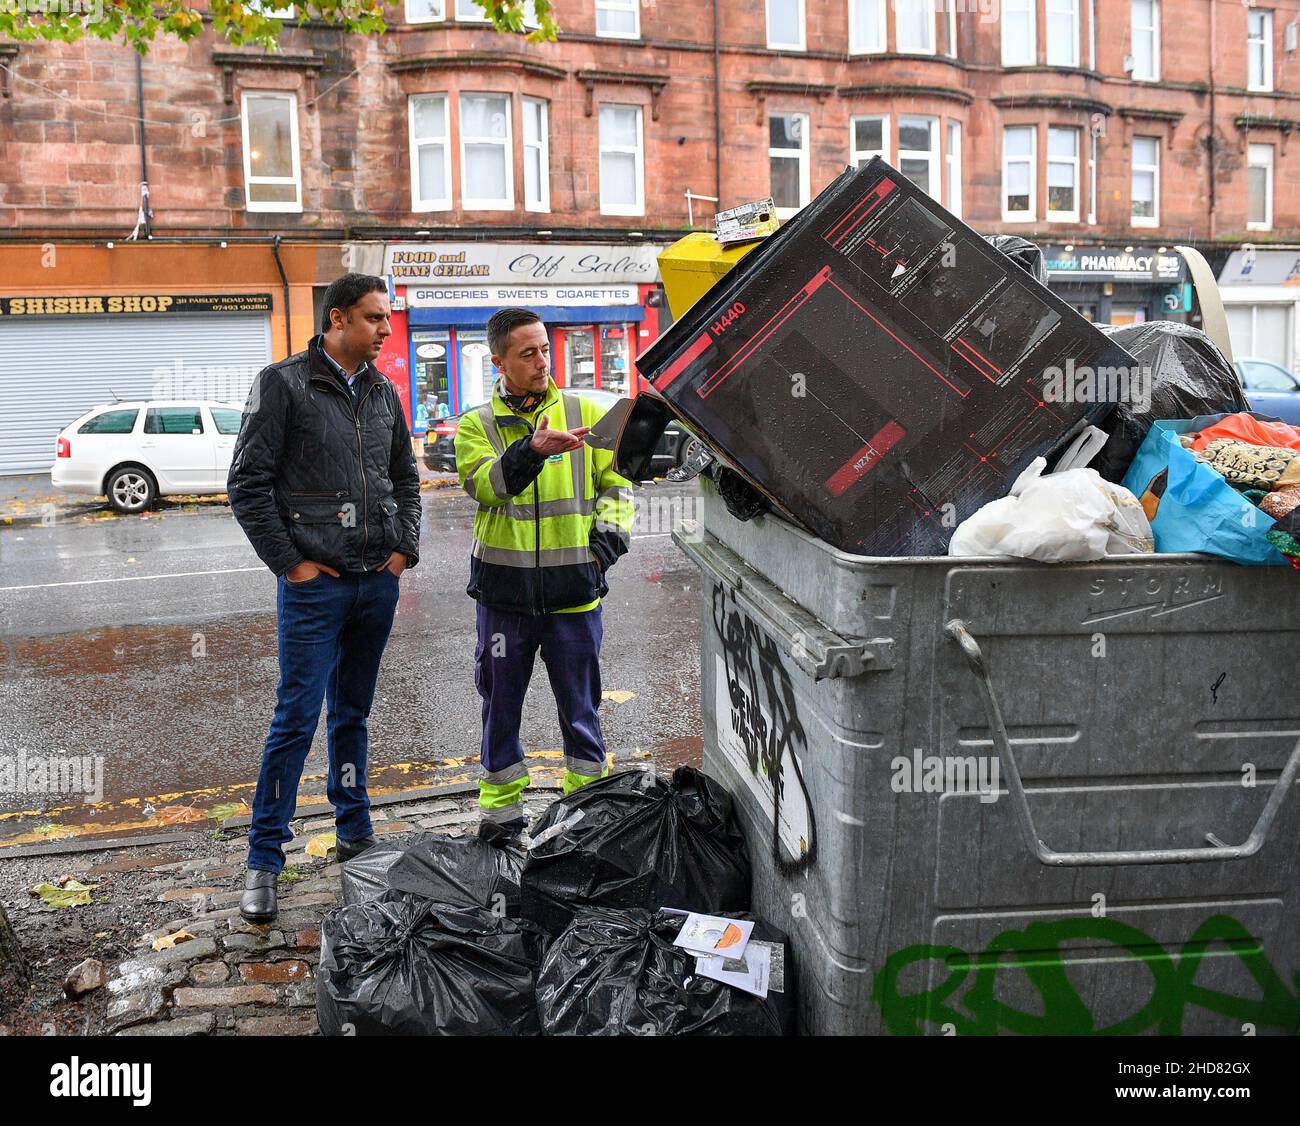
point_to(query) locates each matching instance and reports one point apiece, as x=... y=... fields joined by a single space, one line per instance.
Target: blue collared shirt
x=351 y=380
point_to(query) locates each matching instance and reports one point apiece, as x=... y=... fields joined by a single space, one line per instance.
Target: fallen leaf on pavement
x=66 y=893
x=224 y=812
x=617 y=695
x=321 y=846
x=179 y=814
x=169 y=940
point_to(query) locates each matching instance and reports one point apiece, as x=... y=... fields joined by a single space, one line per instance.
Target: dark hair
x=346 y=291
x=503 y=322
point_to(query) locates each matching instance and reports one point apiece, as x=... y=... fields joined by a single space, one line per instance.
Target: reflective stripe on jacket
x=547 y=529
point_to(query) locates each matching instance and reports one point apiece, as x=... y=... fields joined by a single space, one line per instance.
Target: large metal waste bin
x=1145 y=875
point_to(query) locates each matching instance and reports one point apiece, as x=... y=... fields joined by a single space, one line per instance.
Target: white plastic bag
x=1058 y=518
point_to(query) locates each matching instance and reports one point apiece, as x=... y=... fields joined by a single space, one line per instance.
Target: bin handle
x=956 y=629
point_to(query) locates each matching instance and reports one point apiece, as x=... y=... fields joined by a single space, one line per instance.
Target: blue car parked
x=1270 y=388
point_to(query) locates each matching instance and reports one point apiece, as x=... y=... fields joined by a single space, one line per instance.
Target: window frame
x=543 y=201
x=267 y=206
x=634 y=6
x=1266 y=45
x=932 y=154
x=1030 y=8
x=1075 y=20
x=151 y=412
x=135 y=412
x=440 y=18
x=413 y=146
x=1076 y=163
x=507 y=146
x=482 y=16
x=882 y=11
x=802 y=45
x=804 y=153
x=1154 y=30
x=952 y=162
x=216 y=424
x=854 y=151
x=1092 y=178
x=1271 y=166
x=637 y=208
x=1030 y=215
x=1134 y=168
x=933 y=48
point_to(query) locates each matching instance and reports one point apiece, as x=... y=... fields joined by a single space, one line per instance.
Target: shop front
x=65 y=354
x=599 y=303
x=1121 y=285
x=1261 y=296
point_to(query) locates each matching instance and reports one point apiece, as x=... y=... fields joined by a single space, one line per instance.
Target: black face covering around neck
x=526 y=403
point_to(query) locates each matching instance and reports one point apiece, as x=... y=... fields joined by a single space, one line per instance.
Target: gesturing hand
x=546 y=441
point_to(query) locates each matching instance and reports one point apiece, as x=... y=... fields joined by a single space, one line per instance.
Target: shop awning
x=477 y=316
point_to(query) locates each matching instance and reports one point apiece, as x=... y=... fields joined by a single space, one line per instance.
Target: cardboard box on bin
x=878 y=369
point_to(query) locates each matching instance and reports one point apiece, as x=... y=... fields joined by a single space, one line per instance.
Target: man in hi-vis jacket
x=553 y=517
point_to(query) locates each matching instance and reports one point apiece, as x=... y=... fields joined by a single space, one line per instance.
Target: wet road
x=152 y=643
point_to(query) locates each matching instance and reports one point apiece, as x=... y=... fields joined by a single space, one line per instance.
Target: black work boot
x=346 y=850
x=258 y=902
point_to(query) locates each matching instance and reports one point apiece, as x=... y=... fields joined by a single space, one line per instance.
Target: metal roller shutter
x=54 y=369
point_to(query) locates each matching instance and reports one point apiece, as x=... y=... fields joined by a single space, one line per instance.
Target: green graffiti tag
x=966 y=998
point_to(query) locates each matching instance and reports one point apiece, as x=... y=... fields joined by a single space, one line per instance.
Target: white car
x=134 y=453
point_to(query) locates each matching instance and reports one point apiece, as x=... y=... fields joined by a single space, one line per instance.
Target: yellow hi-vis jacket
x=547 y=529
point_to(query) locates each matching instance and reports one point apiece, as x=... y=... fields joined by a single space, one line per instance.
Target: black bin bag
x=637 y=839
x=617 y=973
x=402 y=965
x=456 y=871
x=1189 y=377
x=1025 y=254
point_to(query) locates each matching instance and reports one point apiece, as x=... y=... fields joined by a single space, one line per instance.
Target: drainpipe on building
x=717 y=108
x=1214 y=126
x=146 y=212
x=284 y=281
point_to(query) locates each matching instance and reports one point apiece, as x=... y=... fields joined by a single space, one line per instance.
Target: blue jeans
x=332 y=634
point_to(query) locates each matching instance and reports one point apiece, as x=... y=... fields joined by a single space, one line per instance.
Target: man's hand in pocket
x=396 y=564
x=306 y=571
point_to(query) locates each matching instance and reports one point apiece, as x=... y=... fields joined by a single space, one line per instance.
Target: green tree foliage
x=139 y=22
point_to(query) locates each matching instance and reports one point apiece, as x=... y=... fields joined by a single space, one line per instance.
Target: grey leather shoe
x=258 y=902
x=346 y=850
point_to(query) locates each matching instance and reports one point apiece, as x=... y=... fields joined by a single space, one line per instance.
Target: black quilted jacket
x=318 y=475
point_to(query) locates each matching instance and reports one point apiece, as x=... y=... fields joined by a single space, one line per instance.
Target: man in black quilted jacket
x=324 y=483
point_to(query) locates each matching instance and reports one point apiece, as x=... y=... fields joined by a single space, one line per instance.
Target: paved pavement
x=229 y=977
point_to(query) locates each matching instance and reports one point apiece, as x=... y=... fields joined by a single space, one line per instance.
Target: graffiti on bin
x=965 y=1001
x=764 y=724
